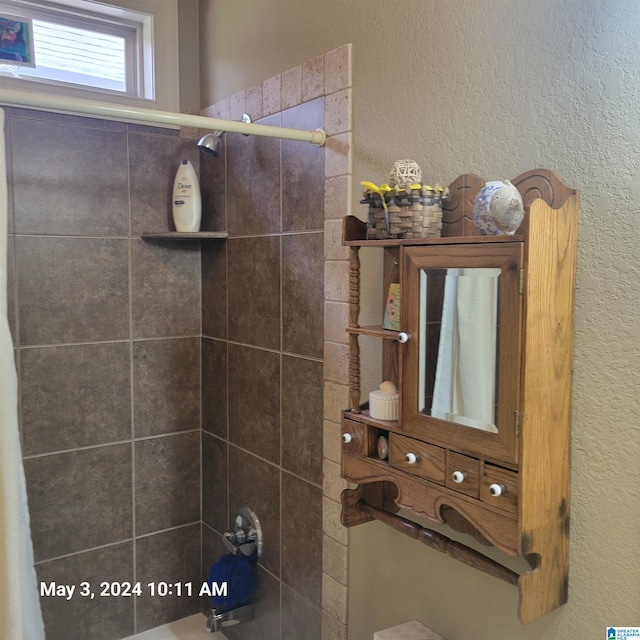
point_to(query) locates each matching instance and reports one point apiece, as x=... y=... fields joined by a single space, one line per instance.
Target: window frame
x=154 y=21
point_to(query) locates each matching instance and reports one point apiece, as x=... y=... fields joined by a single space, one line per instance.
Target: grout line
x=269 y=462
x=226 y=191
x=72 y=237
x=302 y=597
x=134 y=555
x=280 y=384
x=281 y=508
x=268 y=349
x=155 y=436
x=110 y=444
x=118 y=542
x=175 y=528
x=117 y=341
x=274 y=234
x=227 y=368
x=79 y=553
x=84 y=448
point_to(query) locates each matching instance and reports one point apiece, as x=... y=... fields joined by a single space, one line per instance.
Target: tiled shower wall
x=110 y=332
x=107 y=334
x=266 y=304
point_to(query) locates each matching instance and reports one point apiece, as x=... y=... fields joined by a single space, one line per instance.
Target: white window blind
x=79 y=56
x=78 y=50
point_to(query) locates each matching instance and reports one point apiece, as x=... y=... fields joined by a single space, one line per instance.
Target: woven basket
x=410 y=213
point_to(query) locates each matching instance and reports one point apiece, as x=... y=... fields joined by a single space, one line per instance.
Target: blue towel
x=239 y=574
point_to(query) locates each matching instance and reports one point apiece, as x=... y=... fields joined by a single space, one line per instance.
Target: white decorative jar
x=383 y=403
x=498 y=208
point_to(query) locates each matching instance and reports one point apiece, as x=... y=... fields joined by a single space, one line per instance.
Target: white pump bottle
x=187 y=201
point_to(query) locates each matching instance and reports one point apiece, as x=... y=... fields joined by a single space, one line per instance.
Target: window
x=81 y=46
x=80 y=56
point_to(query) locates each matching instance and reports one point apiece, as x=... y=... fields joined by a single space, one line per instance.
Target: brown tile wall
x=107 y=330
x=262 y=295
x=266 y=294
x=126 y=349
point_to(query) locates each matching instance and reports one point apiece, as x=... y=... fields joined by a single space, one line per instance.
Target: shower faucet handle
x=246 y=535
x=235 y=538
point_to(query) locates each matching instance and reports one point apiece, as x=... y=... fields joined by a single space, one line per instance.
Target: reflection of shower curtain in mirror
x=20 y=615
x=464 y=390
x=447 y=349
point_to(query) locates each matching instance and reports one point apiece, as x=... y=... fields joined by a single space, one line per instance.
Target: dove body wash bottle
x=187 y=201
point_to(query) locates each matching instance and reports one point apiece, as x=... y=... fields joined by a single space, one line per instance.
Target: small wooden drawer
x=421 y=459
x=463 y=474
x=354 y=437
x=500 y=487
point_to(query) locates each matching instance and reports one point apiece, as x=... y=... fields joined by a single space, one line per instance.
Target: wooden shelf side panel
x=546 y=404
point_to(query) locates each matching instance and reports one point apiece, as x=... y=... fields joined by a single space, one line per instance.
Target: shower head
x=211 y=144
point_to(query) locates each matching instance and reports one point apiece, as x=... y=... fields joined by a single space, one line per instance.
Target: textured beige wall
x=494 y=87
x=189 y=62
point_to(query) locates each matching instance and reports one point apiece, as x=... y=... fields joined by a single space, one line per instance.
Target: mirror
x=458 y=339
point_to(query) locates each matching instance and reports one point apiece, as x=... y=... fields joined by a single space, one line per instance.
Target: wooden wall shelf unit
x=482 y=442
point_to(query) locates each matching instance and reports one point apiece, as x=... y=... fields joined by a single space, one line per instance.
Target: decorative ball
x=498 y=208
x=405 y=173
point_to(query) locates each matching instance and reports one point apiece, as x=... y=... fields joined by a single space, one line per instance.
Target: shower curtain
x=20 y=613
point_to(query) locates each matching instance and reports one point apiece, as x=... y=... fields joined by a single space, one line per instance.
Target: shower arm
x=77 y=106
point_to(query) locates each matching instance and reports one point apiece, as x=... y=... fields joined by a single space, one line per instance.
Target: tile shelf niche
x=185 y=235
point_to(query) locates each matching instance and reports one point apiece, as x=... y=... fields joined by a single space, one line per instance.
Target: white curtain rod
x=77 y=106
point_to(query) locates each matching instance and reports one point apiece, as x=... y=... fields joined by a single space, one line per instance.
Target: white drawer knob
x=347 y=438
x=403 y=337
x=411 y=458
x=497 y=489
x=457 y=476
